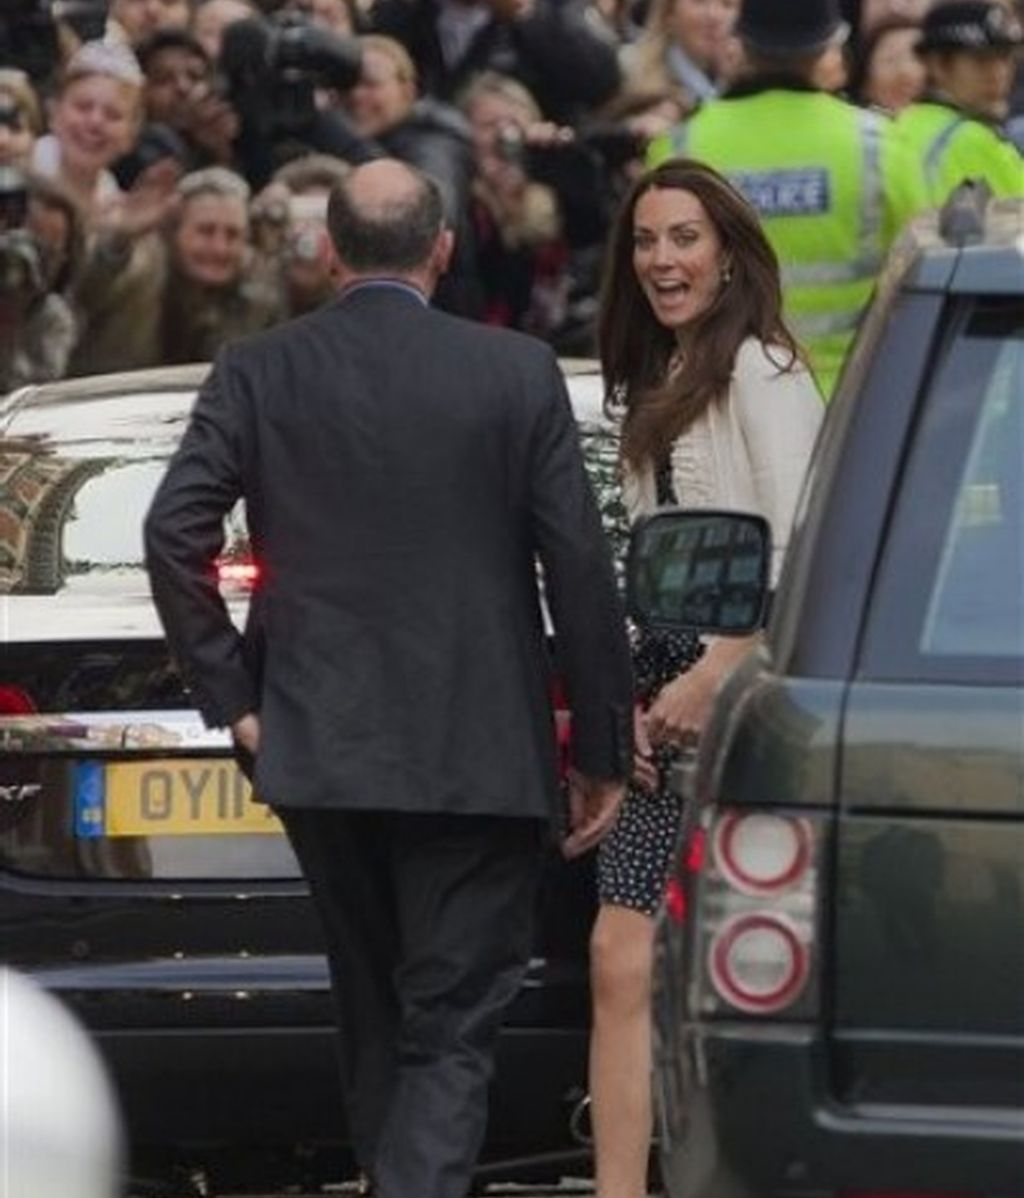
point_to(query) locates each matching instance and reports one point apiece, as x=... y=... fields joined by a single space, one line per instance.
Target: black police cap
x=978 y=25
x=781 y=27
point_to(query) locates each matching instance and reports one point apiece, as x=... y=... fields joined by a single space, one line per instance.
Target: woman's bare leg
x=621 y=957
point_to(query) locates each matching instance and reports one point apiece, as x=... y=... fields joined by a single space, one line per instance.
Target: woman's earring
x=726 y=274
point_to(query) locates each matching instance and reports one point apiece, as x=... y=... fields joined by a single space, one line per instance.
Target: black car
x=137 y=879
x=840 y=978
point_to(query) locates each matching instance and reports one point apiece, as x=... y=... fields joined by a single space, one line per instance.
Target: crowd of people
x=165 y=164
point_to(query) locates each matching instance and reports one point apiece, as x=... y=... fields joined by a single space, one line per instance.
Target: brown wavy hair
x=636 y=348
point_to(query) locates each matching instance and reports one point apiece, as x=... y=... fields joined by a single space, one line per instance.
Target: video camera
x=273 y=67
x=29 y=31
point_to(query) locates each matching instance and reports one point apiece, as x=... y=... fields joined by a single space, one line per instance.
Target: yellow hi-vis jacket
x=833 y=185
x=952 y=146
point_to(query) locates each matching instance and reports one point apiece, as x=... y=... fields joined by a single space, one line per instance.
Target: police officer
x=968 y=50
x=833 y=183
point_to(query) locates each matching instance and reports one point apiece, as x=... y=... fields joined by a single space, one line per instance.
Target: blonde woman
x=686 y=46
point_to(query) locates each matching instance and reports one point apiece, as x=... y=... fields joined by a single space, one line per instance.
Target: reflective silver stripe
x=932 y=163
x=823 y=273
x=872 y=196
x=680 y=136
x=825 y=324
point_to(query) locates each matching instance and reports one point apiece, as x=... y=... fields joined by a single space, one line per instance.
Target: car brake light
x=563 y=726
x=758 y=963
x=676 y=905
x=761 y=853
x=15 y=701
x=241 y=573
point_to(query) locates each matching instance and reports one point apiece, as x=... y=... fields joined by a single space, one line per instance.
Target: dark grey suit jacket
x=402 y=469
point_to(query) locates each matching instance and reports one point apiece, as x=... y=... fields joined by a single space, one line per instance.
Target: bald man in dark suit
x=403 y=470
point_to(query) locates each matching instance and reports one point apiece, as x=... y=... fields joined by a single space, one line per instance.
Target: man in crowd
x=179 y=93
x=566 y=60
x=833 y=183
x=393 y=686
x=968 y=50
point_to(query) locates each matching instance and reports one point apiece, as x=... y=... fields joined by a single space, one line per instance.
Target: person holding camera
x=277 y=73
x=290 y=234
x=520 y=250
x=567 y=60
x=40 y=248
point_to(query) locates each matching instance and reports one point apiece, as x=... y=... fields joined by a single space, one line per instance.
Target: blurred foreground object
x=58 y=1119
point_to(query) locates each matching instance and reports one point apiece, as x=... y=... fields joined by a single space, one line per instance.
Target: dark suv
x=840 y=978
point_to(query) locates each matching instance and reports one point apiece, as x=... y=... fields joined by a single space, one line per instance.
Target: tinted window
x=949 y=605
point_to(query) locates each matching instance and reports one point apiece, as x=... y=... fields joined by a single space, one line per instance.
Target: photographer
x=40 y=248
x=289 y=220
x=520 y=251
x=273 y=71
x=566 y=60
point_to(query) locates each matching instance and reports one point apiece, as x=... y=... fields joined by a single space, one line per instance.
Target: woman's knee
x=621 y=950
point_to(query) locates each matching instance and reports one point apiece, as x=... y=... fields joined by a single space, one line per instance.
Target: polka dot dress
x=633 y=862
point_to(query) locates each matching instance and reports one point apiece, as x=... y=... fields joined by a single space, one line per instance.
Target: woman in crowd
x=687 y=45
x=212 y=293
x=21 y=118
x=139 y=19
x=887 y=73
x=521 y=254
x=95 y=118
x=718 y=410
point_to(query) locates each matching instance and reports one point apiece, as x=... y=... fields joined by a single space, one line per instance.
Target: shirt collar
x=381 y=284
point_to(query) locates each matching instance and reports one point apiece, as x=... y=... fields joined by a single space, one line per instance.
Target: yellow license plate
x=185 y=797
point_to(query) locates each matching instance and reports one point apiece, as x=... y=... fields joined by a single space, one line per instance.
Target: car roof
x=970 y=246
x=105 y=408
x=78 y=461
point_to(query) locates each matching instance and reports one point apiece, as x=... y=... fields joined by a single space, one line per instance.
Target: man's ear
x=444 y=247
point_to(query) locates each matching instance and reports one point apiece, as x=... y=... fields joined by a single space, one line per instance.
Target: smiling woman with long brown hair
x=718 y=410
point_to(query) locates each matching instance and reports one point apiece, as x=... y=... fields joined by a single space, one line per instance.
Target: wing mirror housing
x=703 y=570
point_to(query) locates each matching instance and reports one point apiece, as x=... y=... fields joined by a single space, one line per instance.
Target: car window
x=949 y=604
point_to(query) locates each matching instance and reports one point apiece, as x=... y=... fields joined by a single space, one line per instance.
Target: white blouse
x=749 y=452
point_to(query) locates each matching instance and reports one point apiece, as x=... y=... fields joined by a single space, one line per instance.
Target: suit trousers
x=428 y=920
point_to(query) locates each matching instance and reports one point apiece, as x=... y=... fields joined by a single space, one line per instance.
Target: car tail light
x=563 y=726
x=761 y=853
x=15 y=701
x=676 y=901
x=238 y=573
x=759 y=963
x=751 y=878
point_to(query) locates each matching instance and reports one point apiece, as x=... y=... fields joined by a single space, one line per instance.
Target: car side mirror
x=703 y=570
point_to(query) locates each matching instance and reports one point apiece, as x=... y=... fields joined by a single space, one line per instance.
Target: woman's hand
x=681 y=710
